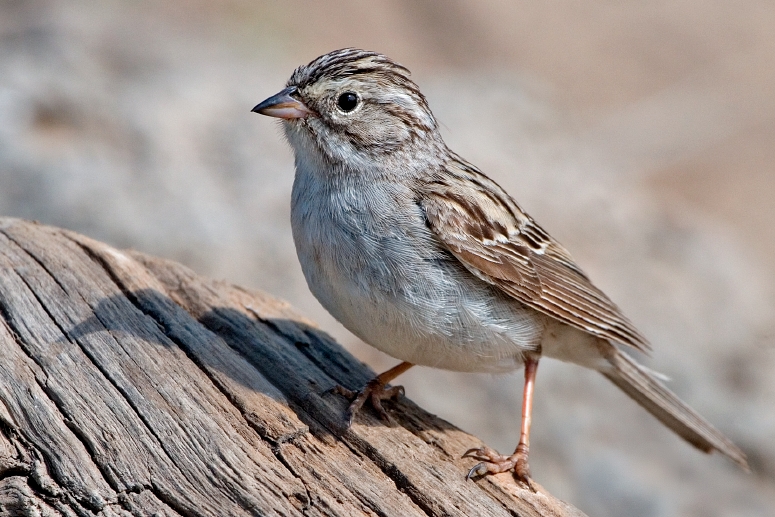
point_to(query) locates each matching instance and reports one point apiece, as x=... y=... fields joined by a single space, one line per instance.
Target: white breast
x=371 y=261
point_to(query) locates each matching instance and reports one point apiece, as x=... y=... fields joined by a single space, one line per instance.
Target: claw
x=374 y=392
x=480 y=453
x=475 y=471
x=338 y=389
x=530 y=485
x=470 y=453
x=377 y=405
x=493 y=463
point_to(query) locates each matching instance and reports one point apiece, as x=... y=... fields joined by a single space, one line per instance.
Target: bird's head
x=353 y=107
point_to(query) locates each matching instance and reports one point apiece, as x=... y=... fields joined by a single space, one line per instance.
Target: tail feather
x=647 y=391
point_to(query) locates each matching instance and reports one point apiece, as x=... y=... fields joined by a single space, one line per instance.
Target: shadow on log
x=132 y=386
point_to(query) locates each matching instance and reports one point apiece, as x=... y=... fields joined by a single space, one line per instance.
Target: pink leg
x=494 y=463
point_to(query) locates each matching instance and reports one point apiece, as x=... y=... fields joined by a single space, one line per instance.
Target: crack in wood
x=150 y=429
x=158 y=318
x=393 y=473
x=36 y=473
x=77 y=431
x=308 y=502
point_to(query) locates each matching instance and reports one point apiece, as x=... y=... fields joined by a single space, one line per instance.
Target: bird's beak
x=283 y=105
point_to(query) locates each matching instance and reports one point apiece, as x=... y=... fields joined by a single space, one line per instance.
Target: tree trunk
x=132 y=386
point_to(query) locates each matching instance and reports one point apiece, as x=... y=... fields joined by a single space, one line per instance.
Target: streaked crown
x=347 y=62
x=356 y=109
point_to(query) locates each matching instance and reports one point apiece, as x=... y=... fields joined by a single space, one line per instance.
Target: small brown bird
x=422 y=256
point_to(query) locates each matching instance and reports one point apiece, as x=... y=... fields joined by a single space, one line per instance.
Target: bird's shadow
x=298 y=360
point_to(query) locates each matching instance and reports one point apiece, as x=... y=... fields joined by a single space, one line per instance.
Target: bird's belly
x=427 y=312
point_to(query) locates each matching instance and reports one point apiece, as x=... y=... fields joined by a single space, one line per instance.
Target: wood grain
x=132 y=386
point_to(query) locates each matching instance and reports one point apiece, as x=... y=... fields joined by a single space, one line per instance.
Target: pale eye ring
x=348 y=101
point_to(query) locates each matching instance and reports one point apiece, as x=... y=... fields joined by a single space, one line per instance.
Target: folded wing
x=499 y=243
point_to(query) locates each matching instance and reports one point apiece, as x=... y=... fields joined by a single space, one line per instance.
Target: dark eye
x=347 y=101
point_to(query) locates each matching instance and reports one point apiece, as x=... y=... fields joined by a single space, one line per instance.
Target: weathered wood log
x=132 y=386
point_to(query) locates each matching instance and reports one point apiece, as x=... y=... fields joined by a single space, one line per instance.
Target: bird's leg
x=494 y=463
x=375 y=392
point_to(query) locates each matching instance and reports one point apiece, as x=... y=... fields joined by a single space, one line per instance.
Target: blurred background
x=640 y=134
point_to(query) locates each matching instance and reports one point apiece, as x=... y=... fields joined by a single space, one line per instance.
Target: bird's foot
x=493 y=463
x=375 y=392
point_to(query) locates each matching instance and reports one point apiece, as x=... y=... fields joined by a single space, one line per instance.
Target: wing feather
x=481 y=225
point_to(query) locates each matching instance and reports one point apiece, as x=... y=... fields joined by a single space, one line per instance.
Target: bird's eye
x=347 y=101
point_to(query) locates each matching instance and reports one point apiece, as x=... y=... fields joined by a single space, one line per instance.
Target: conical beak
x=283 y=105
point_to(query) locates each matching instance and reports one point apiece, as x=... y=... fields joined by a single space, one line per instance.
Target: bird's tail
x=637 y=382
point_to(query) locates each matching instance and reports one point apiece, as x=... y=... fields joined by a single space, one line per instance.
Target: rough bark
x=132 y=386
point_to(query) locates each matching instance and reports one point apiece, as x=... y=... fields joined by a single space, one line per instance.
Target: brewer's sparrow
x=424 y=257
